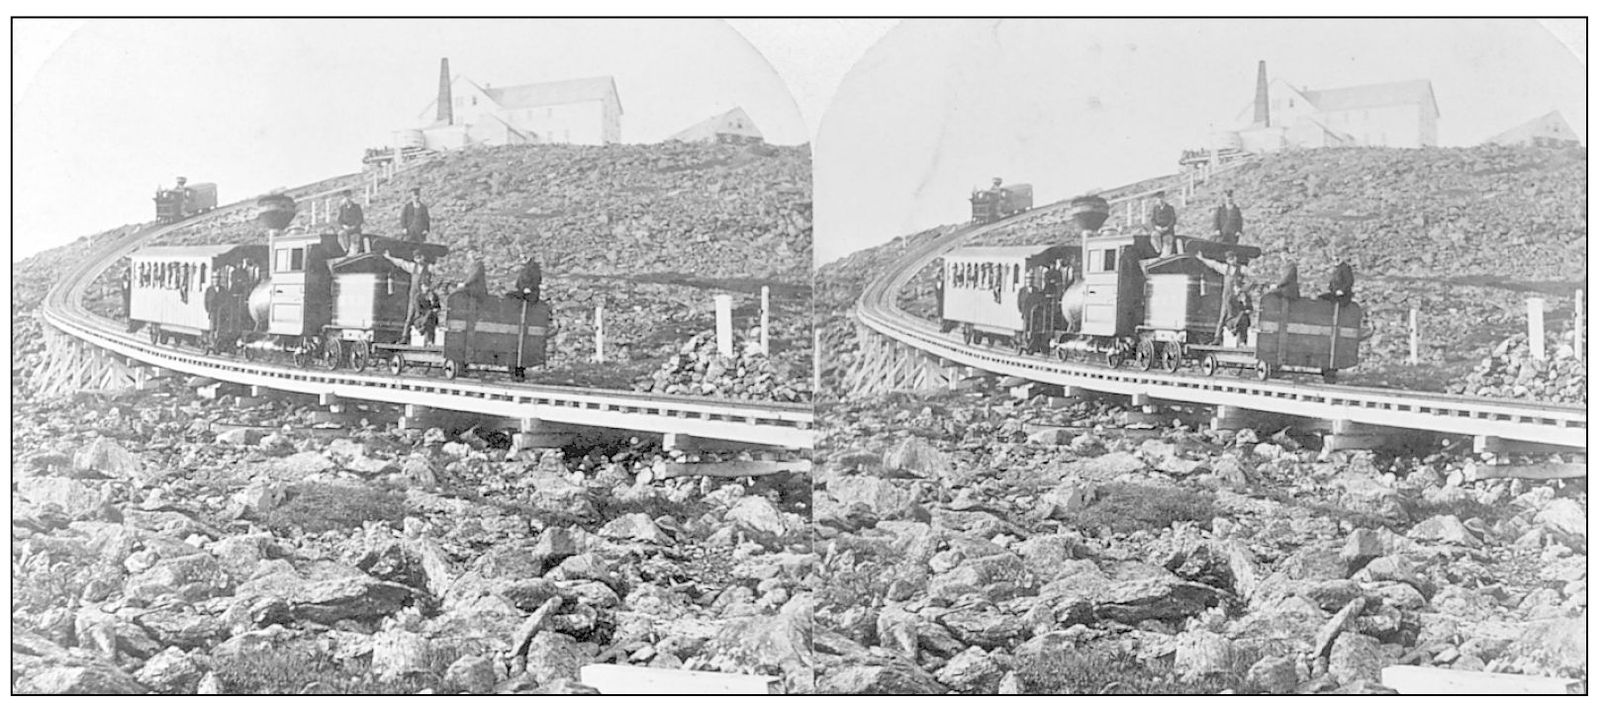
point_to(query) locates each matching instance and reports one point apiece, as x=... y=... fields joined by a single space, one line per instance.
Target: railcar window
x=298 y=260
x=1016 y=275
x=281 y=260
x=201 y=281
x=1110 y=259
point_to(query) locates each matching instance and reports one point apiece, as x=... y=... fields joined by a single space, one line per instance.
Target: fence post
x=1534 y=327
x=599 y=336
x=1414 y=336
x=726 y=336
x=763 y=323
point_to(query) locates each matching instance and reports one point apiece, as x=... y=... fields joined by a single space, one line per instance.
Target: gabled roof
x=734 y=121
x=1551 y=125
x=1374 y=95
x=577 y=90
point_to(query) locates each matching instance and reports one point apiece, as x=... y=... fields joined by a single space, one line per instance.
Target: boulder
x=758 y=514
x=397 y=653
x=1273 y=675
x=79 y=679
x=172 y=671
x=1564 y=516
x=194 y=577
x=973 y=671
x=884 y=498
x=634 y=527
x=1356 y=657
x=997 y=577
x=1199 y=653
x=78 y=499
x=896 y=677
x=471 y=673
x=1444 y=529
x=331 y=600
x=552 y=656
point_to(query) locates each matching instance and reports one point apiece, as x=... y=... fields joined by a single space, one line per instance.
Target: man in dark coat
x=428 y=313
x=1228 y=220
x=350 y=220
x=528 y=286
x=1288 y=287
x=1163 y=221
x=1340 y=288
x=415 y=218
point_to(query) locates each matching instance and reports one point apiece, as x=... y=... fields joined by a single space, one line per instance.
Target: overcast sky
x=122 y=106
x=939 y=106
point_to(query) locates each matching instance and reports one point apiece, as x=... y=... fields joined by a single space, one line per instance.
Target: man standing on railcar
x=1163 y=221
x=350 y=219
x=415 y=218
x=1228 y=220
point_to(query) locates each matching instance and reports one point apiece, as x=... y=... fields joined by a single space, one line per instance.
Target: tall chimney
x=442 y=112
x=1261 y=100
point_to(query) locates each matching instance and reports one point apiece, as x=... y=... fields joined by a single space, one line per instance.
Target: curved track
x=1548 y=425
x=786 y=425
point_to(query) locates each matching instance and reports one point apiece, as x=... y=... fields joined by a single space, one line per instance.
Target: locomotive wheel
x=1211 y=364
x=155 y=332
x=1172 y=357
x=397 y=364
x=1263 y=371
x=1114 y=358
x=1145 y=354
x=453 y=369
x=333 y=353
x=361 y=355
x=1061 y=354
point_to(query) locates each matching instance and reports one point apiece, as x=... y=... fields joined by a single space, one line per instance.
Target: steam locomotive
x=302 y=295
x=181 y=201
x=999 y=202
x=1115 y=295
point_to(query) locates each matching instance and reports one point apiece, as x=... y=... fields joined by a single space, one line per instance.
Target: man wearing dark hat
x=415 y=218
x=350 y=220
x=1163 y=221
x=1228 y=220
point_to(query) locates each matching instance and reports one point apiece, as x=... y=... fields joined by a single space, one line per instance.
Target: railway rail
x=780 y=425
x=1494 y=422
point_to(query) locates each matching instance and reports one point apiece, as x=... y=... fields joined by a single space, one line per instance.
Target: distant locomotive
x=302 y=295
x=1113 y=295
x=999 y=201
x=184 y=200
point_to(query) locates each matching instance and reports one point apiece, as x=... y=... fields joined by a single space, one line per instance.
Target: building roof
x=203 y=251
x=576 y=90
x=733 y=121
x=1007 y=253
x=1551 y=125
x=1374 y=95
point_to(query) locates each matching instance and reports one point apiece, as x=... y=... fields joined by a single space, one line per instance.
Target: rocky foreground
x=980 y=544
x=162 y=543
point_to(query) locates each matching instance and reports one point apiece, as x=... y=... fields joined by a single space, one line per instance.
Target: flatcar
x=1113 y=295
x=308 y=298
x=999 y=201
x=184 y=200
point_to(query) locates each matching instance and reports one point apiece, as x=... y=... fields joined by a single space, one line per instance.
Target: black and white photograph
x=768 y=355
x=1202 y=356
x=401 y=356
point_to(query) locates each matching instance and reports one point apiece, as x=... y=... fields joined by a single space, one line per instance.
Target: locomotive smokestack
x=443 y=102
x=1261 y=100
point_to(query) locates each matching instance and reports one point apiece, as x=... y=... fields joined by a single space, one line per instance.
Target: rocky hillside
x=978 y=544
x=648 y=232
x=163 y=543
x=1465 y=235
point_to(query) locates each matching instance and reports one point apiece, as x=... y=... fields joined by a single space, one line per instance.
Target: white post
x=1414 y=336
x=1534 y=327
x=599 y=337
x=726 y=336
x=1578 y=342
x=763 y=323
